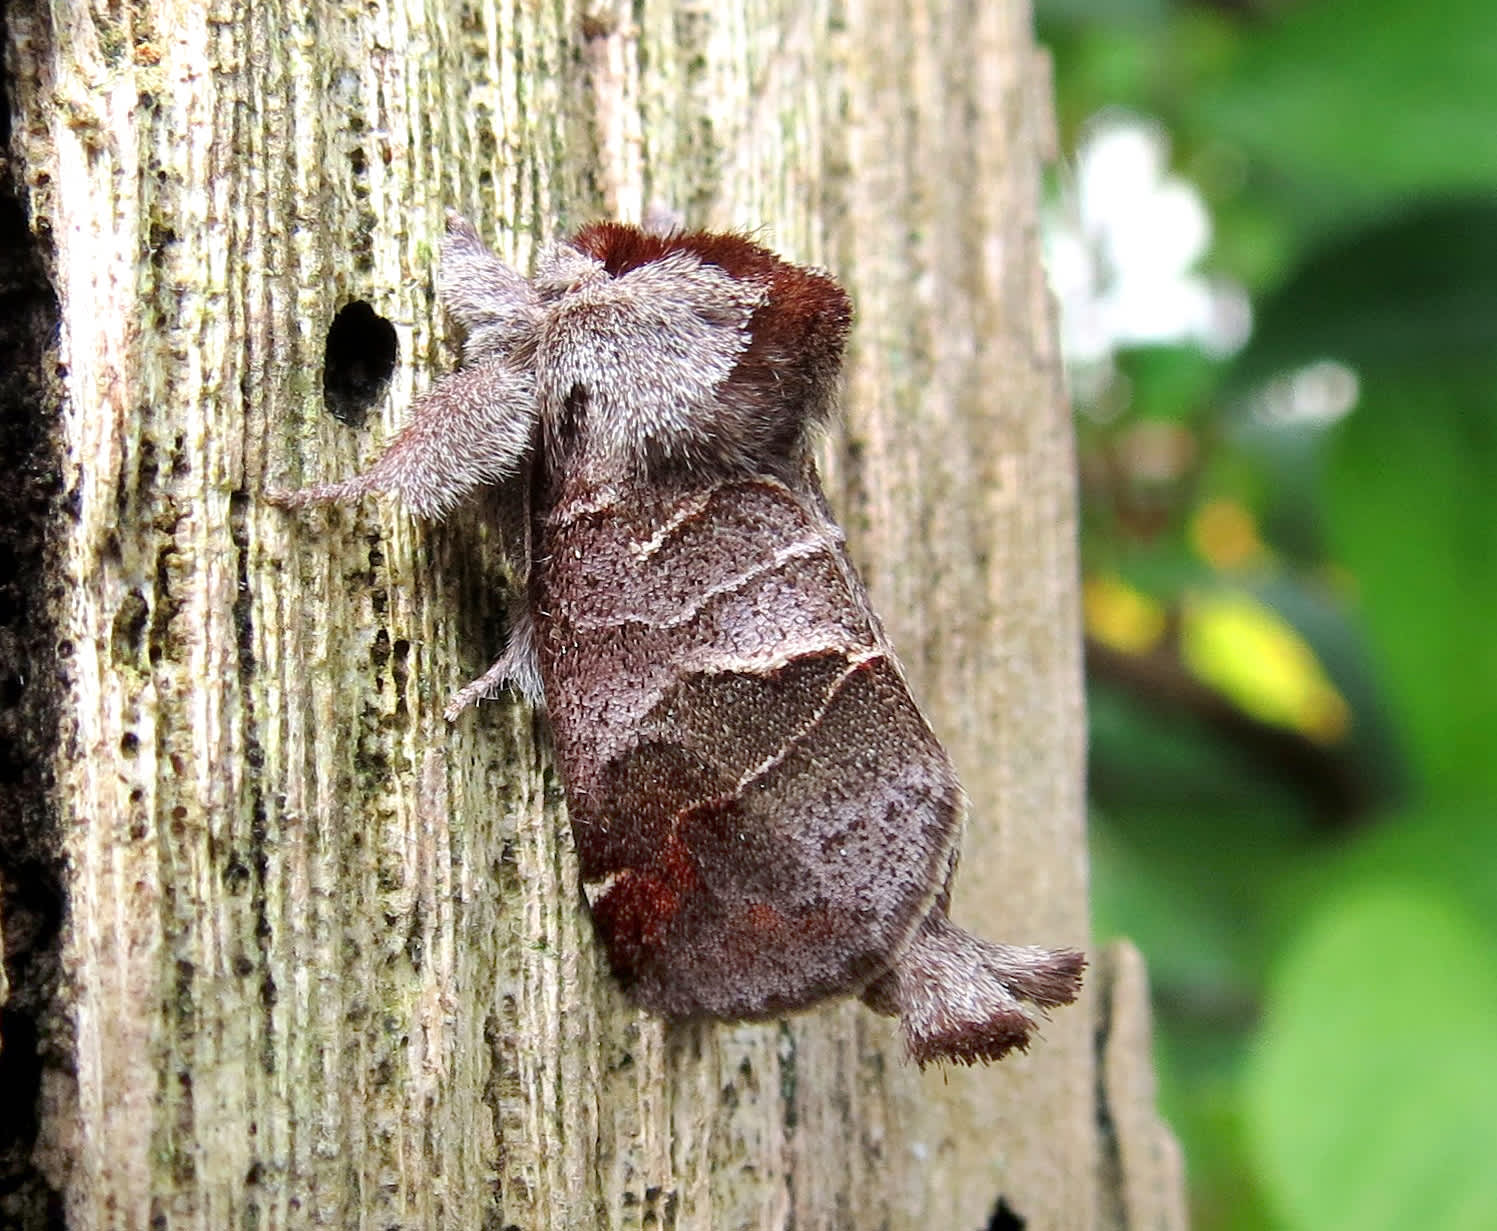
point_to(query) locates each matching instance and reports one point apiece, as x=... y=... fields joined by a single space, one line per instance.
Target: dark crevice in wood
x=1004 y=1218
x=32 y=906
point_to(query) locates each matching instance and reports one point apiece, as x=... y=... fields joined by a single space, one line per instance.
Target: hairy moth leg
x=518 y=667
x=473 y=428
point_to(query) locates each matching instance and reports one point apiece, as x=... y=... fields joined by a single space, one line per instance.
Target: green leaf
x=1381 y=99
x=1169 y=382
x=1417 y=288
x=1187 y=834
x=1088 y=12
x=1411 y=511
x=1450 y=851
x=1372 y=1099
x=1372 y=758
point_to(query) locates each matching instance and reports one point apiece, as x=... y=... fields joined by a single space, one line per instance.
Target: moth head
x=563 y=270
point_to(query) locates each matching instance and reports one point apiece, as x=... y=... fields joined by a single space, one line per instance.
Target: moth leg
x=474 y=427
x=959 y=998
x=517 y=668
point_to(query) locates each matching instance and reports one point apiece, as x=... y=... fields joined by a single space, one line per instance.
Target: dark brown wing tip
x=971 y=1042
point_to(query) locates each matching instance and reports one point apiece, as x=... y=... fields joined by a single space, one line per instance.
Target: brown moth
x=762 y=816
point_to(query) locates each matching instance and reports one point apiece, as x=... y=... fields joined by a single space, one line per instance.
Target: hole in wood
x=1004 y=1219
x=357 y=363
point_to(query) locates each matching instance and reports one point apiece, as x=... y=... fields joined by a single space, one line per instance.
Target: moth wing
x=762 y=812
x=817 y=863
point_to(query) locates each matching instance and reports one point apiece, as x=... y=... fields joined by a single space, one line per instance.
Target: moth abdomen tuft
x=962 y=999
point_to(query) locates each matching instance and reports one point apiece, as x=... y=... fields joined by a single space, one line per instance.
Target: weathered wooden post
x=287 y=950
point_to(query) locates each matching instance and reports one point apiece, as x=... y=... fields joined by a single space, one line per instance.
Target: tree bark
x=286 y=949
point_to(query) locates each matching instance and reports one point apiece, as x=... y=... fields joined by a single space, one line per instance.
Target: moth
x=762 y=816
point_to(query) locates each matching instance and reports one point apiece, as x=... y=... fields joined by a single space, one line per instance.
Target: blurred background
x=1273 y=235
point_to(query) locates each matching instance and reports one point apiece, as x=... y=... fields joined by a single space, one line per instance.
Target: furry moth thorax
x=763 y=818
x=654 y=352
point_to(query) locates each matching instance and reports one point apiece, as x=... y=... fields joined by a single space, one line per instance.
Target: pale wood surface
x=326 y=962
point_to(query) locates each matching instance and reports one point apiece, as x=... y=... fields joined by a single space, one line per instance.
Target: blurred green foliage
x=1320 y=912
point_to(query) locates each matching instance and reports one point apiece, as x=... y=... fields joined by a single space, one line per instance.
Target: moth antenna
x=959 y=998
x=473 y=428
x=660 y=219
